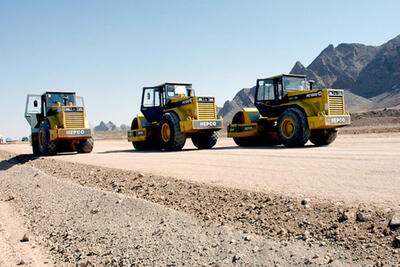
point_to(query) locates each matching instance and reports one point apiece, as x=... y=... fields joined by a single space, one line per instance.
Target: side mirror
x=35 y=103
x=311 y=84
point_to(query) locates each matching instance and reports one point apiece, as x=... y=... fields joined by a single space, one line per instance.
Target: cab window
x=265 y=90
x=151 y=97
x=294 y=84
x=178 y=90
x=64 y=99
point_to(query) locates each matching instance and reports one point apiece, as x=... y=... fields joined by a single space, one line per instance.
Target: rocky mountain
x=368 y=71
x=370 y=76
x=244 y=98
x=105 y=127
x=382 y=75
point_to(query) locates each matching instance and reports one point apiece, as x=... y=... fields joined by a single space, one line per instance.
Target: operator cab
x=272 y=92
x=41 y=106
x=52 y=100
x=156 y=99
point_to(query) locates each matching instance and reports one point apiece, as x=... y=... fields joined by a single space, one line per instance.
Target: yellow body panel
x=69 y=125
x=68 y=134
x=243 y=130
x=184 y=112
x=137 y=135
x=193 y=126
x=193 y=110
x=250 y=115
x=328 y=122
x=141 y=120
x=324 y=103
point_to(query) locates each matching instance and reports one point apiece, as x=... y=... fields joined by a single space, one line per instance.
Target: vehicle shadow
x=23 y=158
x=19 y=159
x=211 y=149
x=158 y=151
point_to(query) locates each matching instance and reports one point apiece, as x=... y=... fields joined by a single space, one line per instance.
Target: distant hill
x=109 y=126
x=370 y=76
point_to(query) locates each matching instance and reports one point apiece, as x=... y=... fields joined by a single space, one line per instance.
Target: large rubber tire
x=176 y=139
x=323 y=137
x=46 y=146
x=205 y=140
x=150 y=143
x=246 y=141
x=35 y=144
x=293 y=128
x=85 y=145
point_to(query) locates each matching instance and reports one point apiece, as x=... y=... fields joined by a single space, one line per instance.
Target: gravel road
x=83 y=214
x=87 y=226
x=360 y=168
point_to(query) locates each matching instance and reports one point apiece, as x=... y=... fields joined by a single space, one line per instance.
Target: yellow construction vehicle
x=58 y=123
x=289 y=111
x=170 y=114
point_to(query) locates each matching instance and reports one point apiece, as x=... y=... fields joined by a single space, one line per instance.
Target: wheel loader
x=58 y=123
x=289 y=111
x=171 y=113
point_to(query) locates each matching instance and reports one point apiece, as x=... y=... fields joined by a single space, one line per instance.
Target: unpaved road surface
x=362 y=168
x=89 y=215
x=98 y=223
x=13 y=249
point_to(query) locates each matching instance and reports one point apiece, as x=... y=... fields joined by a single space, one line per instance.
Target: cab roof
x=289 y=75
x=170 y=83
x=54 y=92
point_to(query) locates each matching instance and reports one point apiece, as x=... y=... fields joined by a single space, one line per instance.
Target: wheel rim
x=165 y=132
x=288 y=128
x=41 y=139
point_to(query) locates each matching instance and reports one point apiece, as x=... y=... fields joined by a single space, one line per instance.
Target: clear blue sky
x=108 y=50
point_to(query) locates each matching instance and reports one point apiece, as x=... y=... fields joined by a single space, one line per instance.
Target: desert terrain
x=335 y=205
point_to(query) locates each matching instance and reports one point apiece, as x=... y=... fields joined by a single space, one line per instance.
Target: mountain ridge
x=370 y=76
x=109 y=126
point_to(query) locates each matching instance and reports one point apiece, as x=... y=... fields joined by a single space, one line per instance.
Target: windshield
x=63 y=98
x=294 y=84
x=176 y=90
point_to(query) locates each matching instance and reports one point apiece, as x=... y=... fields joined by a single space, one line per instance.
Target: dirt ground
x=355 y=168
x=136 y=215
x=13 y=249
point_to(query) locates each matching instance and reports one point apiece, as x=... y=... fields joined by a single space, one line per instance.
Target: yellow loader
x=171 y=113
x=289 y=111
x=58 y=123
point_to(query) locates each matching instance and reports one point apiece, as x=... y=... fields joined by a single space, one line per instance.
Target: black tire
x=150 y=143
x=293 y=128
x=35 y=144
x=205 y=140
x=46 y=146
x=260 y=140
x=85 y=145
x=246 y=141
x=176 y=139
x=323 y=137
